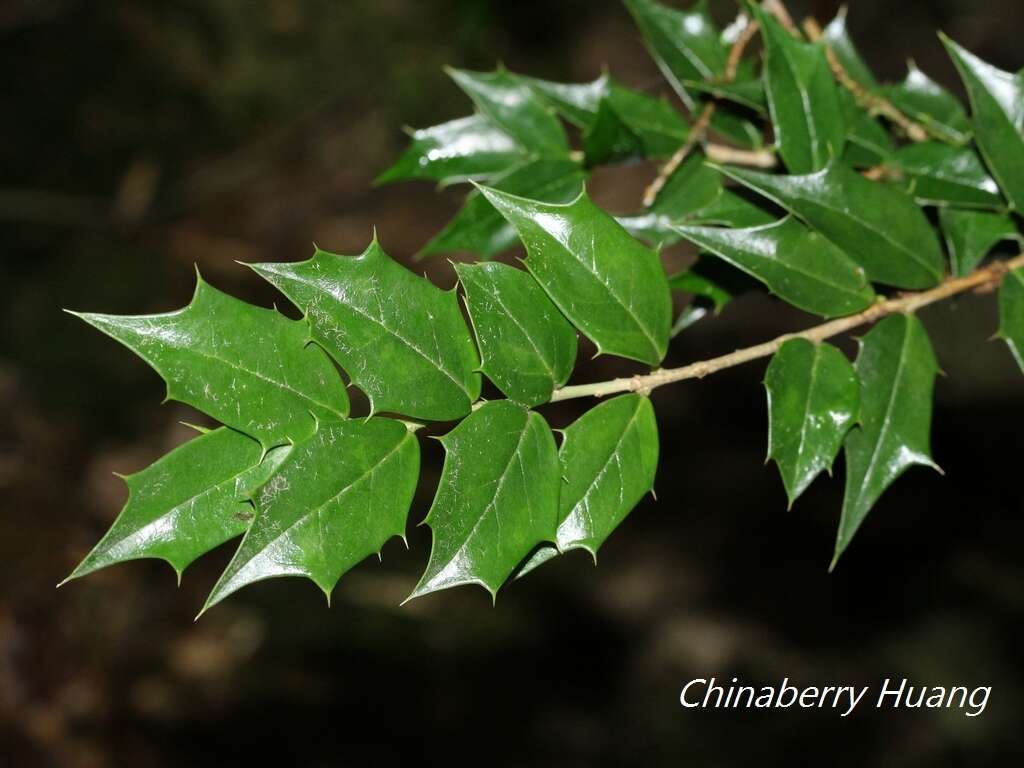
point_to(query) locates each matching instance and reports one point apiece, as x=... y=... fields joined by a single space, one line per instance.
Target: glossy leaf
x=576 y=102
x=997 y=110
x=188 y=502
x=943 y=174
x=248 y=367
x=608 y=139
x=837 y=37
x=878 y=226
x=798 y=265
x=497 y=499
x=1011 y=313
x=970 y=235
x=402 y=341
x=512 y=106
x=713 y=283
x=611 y=287
x=925 y=101
x=736 y=127
x=896 y=367
x=659 y=128
x=333 y=502
x=480 y=229
x=608 y=459
x=867 y=143
x=526 y=347
x=813 y=400
x=686 y=45
x=745 y=93
x=694 y=193
x=469 y=148
x=802 y=99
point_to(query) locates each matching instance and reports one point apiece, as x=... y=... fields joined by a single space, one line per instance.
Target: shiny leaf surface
x=686 y=45
x=813 y=400
x=802 y=99
x=497 y=499
x=896 y=367
x=878 y=226
x=970 y=235
x=469 y=148
x=997 y=111
x=611 y=287
x=1011 y=313
x=511 y=105
x=944 y=174
x=922 y=99
x=867 y=143
x=798 y=265
x=479 y=228
x=402 y=341
x=608 y=459
x=188 y=502
x=837 y=37
x=249 y=368
x=334 y=501
x=527 y=347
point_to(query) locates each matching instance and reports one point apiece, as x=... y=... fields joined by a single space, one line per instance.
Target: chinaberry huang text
x=709 y=693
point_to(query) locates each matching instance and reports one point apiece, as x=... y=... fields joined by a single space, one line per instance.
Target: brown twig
x=871 y=101
x=979 y=279
x=699 y=128
x=754 y=158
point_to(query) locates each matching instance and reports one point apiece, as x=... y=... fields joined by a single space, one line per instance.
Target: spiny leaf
x=526 y=347
x=745 y=93
x=813 y=400
x=658 y=127
x=686 y=45
x=997 y=109
x=608 y=458
x=576 y=102
x=943 y=174
x=608 y=139
x=333 y=502
x=480 y=229
x=694 y=193
x=837 y=37
x=512 y=106
x=878 y=226
x=609 y=285
x=922 y=99
x=1011 y=313
x=970 y=235
x=802 y=99
x=799 y=266
x=188 y=502
x=867 y=143
x=468 y=148
x=897 y=368
x=249 y=368
x=497 y=500
x=401 y=340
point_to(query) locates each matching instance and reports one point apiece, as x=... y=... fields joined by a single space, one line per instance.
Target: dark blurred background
x=138 y=138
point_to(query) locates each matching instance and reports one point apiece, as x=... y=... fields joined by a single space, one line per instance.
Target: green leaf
x=997 y=109
x=879 y=226
x=188 y=502
x=402 y=340
x=928 y=103
x=527 y=348
x=576 y=102
x=867 y=142
x=686 y=45
x=608 y=139
x=248 y=367
x=713 y=283
x=609 y=285
x=497 y=499
x=480 y=229
x=334 y=501
x=608 y=459
x=745 y=93
x=942 y=174
x=896 y=367
x=659 y=128
x=802 y=99
x=970 y=235
x=799 y=266
x=813 y=400
x=694 y=193
x=734 y=126
x=468 y=148
x=837 y=37
x=1011 y=313
x=512 y=106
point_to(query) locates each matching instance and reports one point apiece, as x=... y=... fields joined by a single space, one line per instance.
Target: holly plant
x=788 y=166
